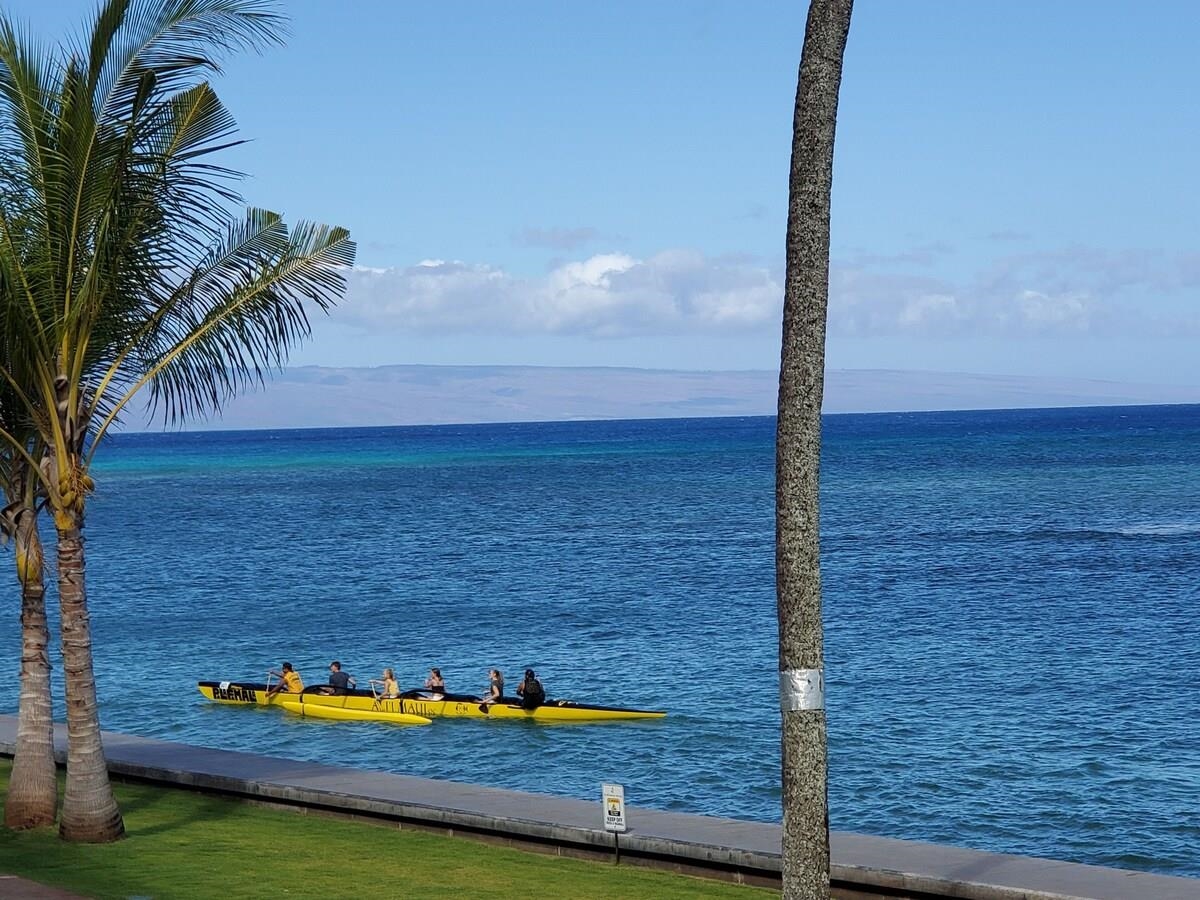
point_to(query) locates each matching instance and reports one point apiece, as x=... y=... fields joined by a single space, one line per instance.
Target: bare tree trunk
x=797 y=456
x=90 y=810
x=32 y=798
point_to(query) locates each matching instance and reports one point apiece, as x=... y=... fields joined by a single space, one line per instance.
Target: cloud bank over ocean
x=1071 y=293
x=314 y=396
x=606 y=295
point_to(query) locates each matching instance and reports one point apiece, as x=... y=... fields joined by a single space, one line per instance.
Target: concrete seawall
x=734 y=850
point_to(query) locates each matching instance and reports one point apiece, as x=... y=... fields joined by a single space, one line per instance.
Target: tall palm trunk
x=89 y=811
x=32 y=798
x=798 y=453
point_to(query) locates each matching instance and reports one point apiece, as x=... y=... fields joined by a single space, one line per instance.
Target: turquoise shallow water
x=1011 y=635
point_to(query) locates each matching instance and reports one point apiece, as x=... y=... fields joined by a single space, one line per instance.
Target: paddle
x=379 y=698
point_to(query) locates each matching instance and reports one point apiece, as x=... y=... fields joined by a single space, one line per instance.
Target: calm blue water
x=1011 y=605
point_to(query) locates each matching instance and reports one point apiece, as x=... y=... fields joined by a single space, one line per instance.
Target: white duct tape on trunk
x=801 y=689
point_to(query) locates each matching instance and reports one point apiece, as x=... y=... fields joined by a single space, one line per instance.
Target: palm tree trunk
x=798 y=453
x=90 y=810
x=32 y=798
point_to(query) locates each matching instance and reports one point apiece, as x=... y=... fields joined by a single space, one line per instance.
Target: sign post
x=613 y=798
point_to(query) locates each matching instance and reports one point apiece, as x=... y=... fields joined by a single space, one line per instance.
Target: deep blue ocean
x=1012 y=648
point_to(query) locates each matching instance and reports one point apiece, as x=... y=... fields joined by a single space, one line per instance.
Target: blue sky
x=606 y=184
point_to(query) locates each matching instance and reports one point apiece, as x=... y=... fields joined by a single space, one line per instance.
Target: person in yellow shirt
x=289 y=681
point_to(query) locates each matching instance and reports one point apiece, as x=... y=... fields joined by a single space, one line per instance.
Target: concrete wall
x=733 y=850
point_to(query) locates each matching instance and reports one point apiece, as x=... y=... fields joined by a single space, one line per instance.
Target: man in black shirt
x=339 y=679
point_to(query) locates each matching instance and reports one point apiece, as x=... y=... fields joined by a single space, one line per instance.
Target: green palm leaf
x=235 y=316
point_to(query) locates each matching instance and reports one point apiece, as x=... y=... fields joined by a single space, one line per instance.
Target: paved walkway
x=740 y=850
x=14 y=888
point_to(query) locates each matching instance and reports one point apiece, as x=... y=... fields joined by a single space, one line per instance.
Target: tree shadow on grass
x=151 y=809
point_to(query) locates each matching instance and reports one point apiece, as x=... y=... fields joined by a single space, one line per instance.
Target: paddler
x=389 y=687
x=495 y=688
x=436 y=684
x=338 y=679
x=530 y=691
x=289 y=681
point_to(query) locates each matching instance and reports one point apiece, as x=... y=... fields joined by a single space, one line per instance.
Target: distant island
x=317 y=396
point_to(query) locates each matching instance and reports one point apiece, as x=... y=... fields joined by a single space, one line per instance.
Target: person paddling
x=495 y=687
x=389 y=687
x=436 y=684
x=530 y=691
x=289 y=681
x=338 y=679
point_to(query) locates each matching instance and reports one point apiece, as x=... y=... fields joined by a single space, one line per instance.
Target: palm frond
x=181 y=41
x=28 y=101
x=235 y=317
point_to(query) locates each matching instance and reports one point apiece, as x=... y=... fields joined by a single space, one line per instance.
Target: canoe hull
x=343 y=713
x=238 y=693
x=566 y=711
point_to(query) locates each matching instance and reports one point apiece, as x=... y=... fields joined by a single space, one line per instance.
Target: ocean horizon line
x=383 y=396
x=647 y=419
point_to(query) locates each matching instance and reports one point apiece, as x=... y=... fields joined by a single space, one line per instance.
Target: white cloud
x=1072 y=292
x=926 y=308
x=606 y=295
x=1038 y=310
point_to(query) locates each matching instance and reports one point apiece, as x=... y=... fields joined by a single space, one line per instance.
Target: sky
x=1015 y=188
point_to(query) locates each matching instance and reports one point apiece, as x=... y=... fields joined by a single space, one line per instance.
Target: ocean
x=1010 y=607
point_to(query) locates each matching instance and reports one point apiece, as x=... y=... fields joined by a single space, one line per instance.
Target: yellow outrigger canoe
x=417 y=703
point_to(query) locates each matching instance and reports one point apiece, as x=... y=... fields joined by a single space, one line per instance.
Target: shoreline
x=732 y=850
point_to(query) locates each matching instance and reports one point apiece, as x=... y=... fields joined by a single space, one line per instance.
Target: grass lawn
x=190 y=846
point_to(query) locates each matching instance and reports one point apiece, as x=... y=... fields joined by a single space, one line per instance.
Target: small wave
x=971 y=530
x=1143 y=529
x=1156 y=529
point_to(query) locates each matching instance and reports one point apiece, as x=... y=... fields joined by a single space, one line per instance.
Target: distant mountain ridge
x=318 y=396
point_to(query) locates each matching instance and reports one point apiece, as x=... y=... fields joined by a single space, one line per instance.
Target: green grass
x=191 y=846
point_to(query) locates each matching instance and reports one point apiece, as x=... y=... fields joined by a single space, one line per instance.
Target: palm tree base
x=93 y=827
x=32 y=797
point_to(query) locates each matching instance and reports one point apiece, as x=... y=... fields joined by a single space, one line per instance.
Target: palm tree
x=32 y=797
x=798 y=453
x=128 y=270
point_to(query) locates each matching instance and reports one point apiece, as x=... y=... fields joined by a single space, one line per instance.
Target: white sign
x=613 y=797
